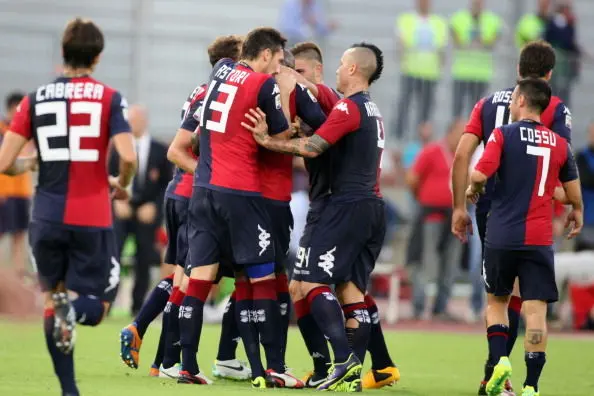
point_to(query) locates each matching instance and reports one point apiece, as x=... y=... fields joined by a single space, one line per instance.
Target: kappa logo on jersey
x=185 y=312
x=327 y=261
x=311 y=96
x=124 y=106
x=492 y=138
x=197 y=91
x=342 y=106
x=197 y=114
x=567 y=117
x=264 y=238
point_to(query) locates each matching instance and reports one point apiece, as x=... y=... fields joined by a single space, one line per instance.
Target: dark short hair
x=537 y=59
x=224 y=47
x=82 y=42
x=261 y=39
x=379 y=60
x=13 y=99
x=308 y=50
x=536 y=91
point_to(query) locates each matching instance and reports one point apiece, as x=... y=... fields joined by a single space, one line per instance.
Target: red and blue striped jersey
x=229 y=155
x=355 y=129
x=180 y=187
x=71 y=121
x=493 y=112
x=526 y=160
x=276 y=169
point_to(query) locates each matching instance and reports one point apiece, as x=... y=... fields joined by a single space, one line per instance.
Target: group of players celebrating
x=228 y=214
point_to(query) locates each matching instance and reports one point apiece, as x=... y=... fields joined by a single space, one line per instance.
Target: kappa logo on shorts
x=264 y=238
x=485 y=275
x=327 y=261
x=114 y=275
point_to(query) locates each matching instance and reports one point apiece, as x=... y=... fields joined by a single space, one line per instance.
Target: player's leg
x=335 y=246
x=226 y=364
x=313 y=336
x=58 y=319
x=538 y=286
x=204 y=236
x=383 y=370
x=499 y=273
x=172 y=349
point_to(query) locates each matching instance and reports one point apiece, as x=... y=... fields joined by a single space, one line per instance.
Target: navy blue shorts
x=228 y=226
x=341 y=243
x=85 y=259
x=14 y=215
x=176 y=223
x=535 y=269
x=281 y=220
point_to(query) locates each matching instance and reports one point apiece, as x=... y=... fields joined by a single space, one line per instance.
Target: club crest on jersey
x=342 y=106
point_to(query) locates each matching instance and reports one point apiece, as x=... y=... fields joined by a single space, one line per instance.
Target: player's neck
x=76 y=72
x=529 y=116
x=354 y=88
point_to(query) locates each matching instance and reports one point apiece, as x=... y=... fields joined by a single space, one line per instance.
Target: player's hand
x=461 y=224
x=31 y=163
x=472 y=196
x=286 y=79
x=118 y=192
x=258 y=126
x=575 y=220
x=147 y=213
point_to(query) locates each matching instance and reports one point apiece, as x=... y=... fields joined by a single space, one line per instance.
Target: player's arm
x=123 y=141
x=344 y=119
x=308 y=108
x=568 y=175
x=178 y=151
x=286 y=81
x=468 y=143
x=270 y=101
x=488 y=164
x=17 y=136
x=562 y=122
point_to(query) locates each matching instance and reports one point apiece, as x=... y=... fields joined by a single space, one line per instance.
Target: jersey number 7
x=545 y=153
x=211 y=104
x=74 y=133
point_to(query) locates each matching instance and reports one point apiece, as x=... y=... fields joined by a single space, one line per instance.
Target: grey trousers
x=436 y=266
x=423 y=91
x=467 y=92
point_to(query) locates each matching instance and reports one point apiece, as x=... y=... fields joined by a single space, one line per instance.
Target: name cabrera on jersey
x=493 y=112
x=228 y=151
x=72 y=121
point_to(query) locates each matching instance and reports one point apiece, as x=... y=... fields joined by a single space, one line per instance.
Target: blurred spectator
x=532 y=26
x=142 y=216
x=422 y=39
x=413 y=148
x=15 y=196
x=433 y=251
x=560 y=31
x=304 y=20
x=585 y=163
x=475 y=33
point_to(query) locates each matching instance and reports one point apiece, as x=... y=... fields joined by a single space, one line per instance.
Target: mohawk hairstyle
x=379 y=59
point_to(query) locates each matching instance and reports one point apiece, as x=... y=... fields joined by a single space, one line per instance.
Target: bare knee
x=496 y=311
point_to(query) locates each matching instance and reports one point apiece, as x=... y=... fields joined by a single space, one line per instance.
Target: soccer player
x=228 y=218
x=537 y=59
x=309 y=63
x=348 y=237
x=72 y=120
x=529 y=159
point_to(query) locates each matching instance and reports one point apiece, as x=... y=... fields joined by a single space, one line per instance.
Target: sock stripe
x=199 y=289
x=177 y=297
x=282 y=283
x=515 y=304
x=348 y=308
x=48 y=312
x=264 y=290
x=497 y=334
x=301 y=308
x=313 y=293
x=243 y=291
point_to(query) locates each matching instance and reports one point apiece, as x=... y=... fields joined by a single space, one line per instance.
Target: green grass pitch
x=431 y=364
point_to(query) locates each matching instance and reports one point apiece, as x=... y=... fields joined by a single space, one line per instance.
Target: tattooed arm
x=308 y=147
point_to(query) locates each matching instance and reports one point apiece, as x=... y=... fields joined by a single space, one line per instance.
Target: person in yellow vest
x=475 y=33
x=15 y=195
x=422 y=40
x=531 y=26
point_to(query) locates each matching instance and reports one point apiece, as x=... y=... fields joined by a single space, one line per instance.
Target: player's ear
x=549 y=75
